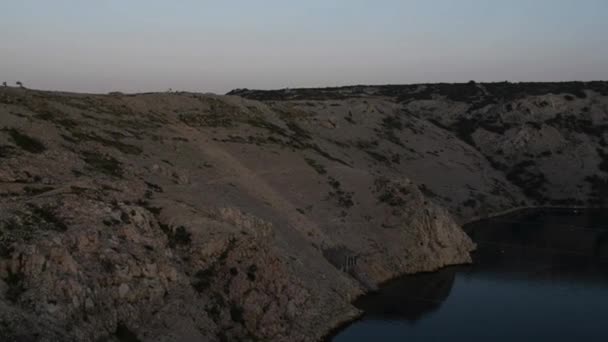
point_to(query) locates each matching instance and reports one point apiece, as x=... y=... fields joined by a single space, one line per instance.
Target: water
x=537 y=276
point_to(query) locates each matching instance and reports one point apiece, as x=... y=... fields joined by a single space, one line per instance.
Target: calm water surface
x=537 y=276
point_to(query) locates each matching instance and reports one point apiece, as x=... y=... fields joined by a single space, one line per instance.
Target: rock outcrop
x=262 y=215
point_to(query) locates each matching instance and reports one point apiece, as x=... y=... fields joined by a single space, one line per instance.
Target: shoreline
x=507 y=212
x=334 y=331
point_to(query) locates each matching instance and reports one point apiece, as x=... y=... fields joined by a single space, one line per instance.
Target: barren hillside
x=261 y=215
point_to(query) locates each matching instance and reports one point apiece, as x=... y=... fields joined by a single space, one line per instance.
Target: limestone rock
x=262 y=215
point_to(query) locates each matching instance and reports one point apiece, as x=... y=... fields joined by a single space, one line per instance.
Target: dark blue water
x=537 y=276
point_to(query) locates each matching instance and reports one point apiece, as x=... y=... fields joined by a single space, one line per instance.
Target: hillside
x=261 y=215
x=472 y=147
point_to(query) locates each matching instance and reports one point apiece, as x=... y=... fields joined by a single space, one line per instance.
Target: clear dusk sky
x=215 y=46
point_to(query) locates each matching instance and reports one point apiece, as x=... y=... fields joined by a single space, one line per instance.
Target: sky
x=215 y=46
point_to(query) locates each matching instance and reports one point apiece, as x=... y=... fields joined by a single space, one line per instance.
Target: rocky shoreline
x=515 y=211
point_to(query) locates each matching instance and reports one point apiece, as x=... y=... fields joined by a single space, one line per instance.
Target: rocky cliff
x=262 y=214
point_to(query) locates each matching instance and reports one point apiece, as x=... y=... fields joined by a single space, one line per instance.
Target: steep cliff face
x=261 y=215
x=176 y=217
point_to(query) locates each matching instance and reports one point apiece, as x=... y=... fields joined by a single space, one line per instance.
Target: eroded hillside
x=261 y=215
x=476 y=148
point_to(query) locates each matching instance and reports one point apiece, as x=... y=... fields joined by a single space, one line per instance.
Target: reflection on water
x=538 y=275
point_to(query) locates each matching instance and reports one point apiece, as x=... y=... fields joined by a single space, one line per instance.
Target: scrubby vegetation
x=478 y=95
x=251 y=272
x=24 y=224
x=124 y=334
x=7 y=151
x=180 y=237
x=15 y=286
x=177 y=237
x=217 y=114
x=603 y=160
x=391 y=124
x=378 y=157
x=391 y=193
x=526 y=176
x=344 y=198
x=236 y=313
x=426 y=191
x=215 y=119
x=293 y=136
x=33 y=191
x=203 y=279
x=103 y=163
x=318 y=167
x=78 y=137
x=578 y=124
x=25 y=142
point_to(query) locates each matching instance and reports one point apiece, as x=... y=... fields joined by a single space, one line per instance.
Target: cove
x=537 y=275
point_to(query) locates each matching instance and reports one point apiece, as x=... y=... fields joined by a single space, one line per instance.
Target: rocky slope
x=476 y=149
x=261 y=215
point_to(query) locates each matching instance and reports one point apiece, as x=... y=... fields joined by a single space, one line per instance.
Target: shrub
x=251 y=272
x=114 y=143
x=14 y=281
x=344 y=198
x=180 y=237
x=236 y=313
x=26 y=142
x=390 y=193
x=46 y=218
x=526 y=176
x=603 y=160
x=389 y=125
x=203 y=279
x=378 y=157
x=7 y=151
x=316 y=166
x=22 y=226
x=124 y=334
x=103 y=163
